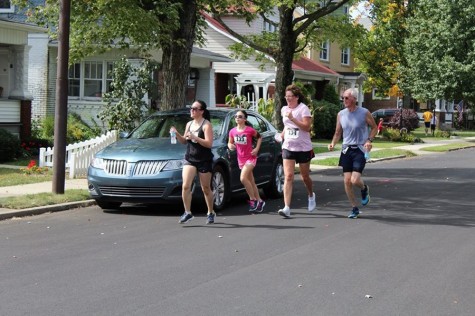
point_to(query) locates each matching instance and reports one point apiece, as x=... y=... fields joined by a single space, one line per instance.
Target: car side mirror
x=123 y=135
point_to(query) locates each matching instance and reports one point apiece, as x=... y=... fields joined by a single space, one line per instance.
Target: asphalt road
x=412 y=252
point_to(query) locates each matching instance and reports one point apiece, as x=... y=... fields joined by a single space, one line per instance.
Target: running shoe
x=284 y=212
x=260 y=206
x=365 y=198
x=354 y=213
x=252 y=205
x=312 y=203
x=186 y=217
x=210 y=218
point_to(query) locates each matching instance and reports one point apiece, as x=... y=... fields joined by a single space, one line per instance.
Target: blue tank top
x=355 y=128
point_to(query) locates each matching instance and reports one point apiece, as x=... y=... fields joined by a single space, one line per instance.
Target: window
x=325 y=50
x=6 y=6
x=345 y=56
x=90 y=79
x=346 y=10
x=74 y=82
x=269 y=27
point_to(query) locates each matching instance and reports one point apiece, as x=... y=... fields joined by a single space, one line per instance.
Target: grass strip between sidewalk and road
x=43 y=199
x=447 y=147
x=376 y=154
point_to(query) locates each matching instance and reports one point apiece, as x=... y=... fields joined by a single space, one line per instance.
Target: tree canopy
x=101 y=25
x=301 y=25
x=380 y=52
x=440 y=50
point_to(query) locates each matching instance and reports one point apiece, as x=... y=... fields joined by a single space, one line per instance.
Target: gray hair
x=353 y=92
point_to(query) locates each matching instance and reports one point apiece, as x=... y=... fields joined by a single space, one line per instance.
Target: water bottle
x=366 y=155
x=173 y=136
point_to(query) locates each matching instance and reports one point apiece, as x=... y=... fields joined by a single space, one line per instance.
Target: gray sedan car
x=145 y=167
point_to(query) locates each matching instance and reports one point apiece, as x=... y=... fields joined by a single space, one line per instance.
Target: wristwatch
x=370 y=139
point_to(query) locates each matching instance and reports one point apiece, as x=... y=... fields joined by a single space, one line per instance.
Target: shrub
x=324 y=118
x=76 y=131
x=396 y=135
x=124 y=106
x=10 y=148
x=31 y=146
x=410 y=120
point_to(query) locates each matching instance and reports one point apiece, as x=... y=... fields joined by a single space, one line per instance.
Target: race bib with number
x=292 y=133
x=240 y=139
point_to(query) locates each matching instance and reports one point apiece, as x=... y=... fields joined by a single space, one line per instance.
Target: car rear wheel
x=219 y=185
x=105 y=205
x=275 y=188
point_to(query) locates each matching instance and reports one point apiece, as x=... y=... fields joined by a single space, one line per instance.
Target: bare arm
x=337 y=136
x=255 y=151
x=231 y=145
x=374 y=130
x=305 y=124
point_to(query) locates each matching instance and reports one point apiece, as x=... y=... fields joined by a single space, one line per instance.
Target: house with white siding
x=251 y=77
x=15 y=94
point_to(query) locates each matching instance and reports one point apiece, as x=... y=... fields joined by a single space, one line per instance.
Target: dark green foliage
x=330 y=94
x=77 y=129
x=395 y=135
x=410 y=120
x=324 y=119
x=125 y=107
x=31 y=146
x=10 y=146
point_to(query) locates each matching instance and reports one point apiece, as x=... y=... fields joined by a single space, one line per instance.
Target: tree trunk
x=176 y=58
x=283 y=59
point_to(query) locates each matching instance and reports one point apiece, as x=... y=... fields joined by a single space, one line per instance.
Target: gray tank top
x=355 y=128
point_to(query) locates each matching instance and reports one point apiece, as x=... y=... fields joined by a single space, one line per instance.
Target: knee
x=206 y=189
x=186 y=188
x=289 y=177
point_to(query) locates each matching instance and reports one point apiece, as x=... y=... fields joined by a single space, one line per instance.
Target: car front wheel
x=275 y=188
x=219 y=185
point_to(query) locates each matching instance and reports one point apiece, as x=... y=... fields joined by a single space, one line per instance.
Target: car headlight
x=98 y=163
x=174 y=165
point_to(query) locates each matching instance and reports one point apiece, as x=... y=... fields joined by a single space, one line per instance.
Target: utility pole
x=61 y=106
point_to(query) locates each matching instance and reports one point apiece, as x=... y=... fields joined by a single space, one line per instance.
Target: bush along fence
x=78 y=155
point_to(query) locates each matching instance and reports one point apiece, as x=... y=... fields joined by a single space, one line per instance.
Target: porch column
x=20 y=73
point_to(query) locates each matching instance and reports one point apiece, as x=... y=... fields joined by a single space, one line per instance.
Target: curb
x=11 y=213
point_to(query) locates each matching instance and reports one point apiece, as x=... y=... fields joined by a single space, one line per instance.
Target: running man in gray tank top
x=352 y=123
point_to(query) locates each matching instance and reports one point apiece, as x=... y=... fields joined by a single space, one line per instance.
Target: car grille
x=132 y=191
x=117 y=167
x=141 y=168
x=145 y=168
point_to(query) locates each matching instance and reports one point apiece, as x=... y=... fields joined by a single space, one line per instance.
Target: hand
x=254 y=152
x=231 y=147
x=368 y=146
x=289 y=115
x=331 y=147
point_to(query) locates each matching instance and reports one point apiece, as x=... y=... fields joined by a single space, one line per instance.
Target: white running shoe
x=284 y=212
x=312 y=203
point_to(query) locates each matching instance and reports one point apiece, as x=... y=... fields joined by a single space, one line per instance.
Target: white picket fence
x=78 y=155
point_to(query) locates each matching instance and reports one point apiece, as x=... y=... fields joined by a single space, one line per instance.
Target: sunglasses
x=239 y=116
x=345 y=98
x=195 y=109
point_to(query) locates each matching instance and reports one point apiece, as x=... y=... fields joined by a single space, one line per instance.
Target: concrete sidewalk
x=47 y=187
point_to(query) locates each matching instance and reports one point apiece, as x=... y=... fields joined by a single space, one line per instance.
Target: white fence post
x=78 y=155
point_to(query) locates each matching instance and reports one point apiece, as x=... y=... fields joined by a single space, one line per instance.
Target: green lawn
x=9 y=177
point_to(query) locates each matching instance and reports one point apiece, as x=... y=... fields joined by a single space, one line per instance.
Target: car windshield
x=159 y=126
